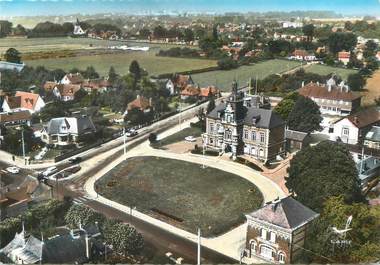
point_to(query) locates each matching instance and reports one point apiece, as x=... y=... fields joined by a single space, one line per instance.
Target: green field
x=223 y=79
x=326 y=70
x=182 y=193
x=121 y=61
x=67 y=43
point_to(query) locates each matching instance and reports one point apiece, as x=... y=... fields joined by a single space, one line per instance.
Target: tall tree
x=305 y=116
x=12 y=55
x=308 y=31
x=319 y=172
x=112 y=75
x=135 y=70
x=356 y=81
x=5 y=28
x=188 y=35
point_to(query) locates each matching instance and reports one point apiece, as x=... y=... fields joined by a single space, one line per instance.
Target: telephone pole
x=199 y=247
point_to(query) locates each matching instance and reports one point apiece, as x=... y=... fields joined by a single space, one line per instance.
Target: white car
x=190 y=138
x=13 y=170
x=49 y=171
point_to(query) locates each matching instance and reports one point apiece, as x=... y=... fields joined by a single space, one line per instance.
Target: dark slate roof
x=295 y=135
x=64 y=249
x=266 y=119
x=77 y=125
x=287 y=213
x=373 y=134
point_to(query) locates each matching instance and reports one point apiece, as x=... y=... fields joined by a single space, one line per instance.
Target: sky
x=65 y=7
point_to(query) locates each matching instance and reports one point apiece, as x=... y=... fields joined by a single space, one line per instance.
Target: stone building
x=277 y=231
x=242 y=130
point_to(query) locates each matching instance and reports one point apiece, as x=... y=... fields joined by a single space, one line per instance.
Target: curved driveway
x=230 y=243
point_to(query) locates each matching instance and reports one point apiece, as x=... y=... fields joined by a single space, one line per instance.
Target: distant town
x=190 y=138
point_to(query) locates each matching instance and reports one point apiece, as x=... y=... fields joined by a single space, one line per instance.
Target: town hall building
x=244 y=130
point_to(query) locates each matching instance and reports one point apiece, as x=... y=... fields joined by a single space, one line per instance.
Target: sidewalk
x=230 y=243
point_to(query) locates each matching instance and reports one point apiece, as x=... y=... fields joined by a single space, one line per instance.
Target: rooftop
x=287 y=213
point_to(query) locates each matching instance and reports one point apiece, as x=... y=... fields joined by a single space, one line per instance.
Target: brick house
x=277 y=231
x=233 y=127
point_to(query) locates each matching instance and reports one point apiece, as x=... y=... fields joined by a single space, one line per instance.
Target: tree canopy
x=319 y=172
x=340 y=41
x=286 y=105
x=364 y=236
x=305 y=116
x=356 y=81
x=12 y=55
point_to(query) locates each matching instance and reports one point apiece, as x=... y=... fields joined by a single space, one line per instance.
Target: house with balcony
x=276 y=232
x=234 y=128
x=67 y=130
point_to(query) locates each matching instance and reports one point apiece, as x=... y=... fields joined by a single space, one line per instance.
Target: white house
x=353 y=128
x=66 y=130
x=23 y=101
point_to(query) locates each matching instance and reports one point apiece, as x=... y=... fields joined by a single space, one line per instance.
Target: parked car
x=13 y=170
x=49 y=171
x=190 y=138
x=75 y=160
x=131 y=133
x=73 y=170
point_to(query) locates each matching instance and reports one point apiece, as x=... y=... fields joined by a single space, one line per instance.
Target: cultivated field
x=121 y=61
x=372 y=89
x=182 y=193
x=223 y=79
x=25 y=45
x=326 y=70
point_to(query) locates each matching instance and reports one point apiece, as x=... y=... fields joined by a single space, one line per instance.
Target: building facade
x=277 y=231
x=332 y=99
x=233 y=127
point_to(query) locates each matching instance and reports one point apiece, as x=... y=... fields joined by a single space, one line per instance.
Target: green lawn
x=121 y=61
x=223 y=79
x=186 y=195
x=180 y=136
x=326 y=70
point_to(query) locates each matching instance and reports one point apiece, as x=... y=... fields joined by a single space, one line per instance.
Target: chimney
x=356 y=120
x=329 y=87
x=138 y=96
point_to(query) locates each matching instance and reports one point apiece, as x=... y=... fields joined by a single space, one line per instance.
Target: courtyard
x=182 y=193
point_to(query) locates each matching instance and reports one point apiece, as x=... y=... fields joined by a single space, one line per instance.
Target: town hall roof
x=287 y=213
x=260 y=118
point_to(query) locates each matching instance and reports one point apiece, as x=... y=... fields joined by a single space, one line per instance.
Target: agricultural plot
x=223 y=79
x=326 y=70
x=182 y=193
x=120 y=61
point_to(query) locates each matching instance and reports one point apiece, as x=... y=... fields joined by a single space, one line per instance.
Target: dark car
x=75 y=160
x=73 y=170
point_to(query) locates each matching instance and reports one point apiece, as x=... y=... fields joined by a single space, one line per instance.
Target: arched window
x=253 y=247
x=266 y=252
x=261 y=153
x=281 y=257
